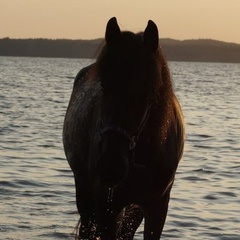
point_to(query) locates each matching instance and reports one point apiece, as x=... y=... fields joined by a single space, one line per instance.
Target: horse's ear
x=150 y=36
x=113 y=31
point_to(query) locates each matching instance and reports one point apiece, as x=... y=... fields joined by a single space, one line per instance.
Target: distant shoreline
x=201 y=50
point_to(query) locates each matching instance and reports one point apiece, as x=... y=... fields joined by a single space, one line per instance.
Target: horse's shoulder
x=82 y=74
x=179 y=125
x=178 y=110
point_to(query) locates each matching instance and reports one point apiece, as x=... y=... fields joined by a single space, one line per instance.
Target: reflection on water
x=36 y=185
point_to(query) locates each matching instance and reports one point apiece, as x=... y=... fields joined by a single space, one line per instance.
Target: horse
x=123 y=137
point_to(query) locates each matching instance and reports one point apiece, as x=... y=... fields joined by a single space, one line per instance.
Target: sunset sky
x=86 y=19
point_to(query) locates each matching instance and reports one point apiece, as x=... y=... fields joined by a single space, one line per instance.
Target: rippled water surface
x=36 y=185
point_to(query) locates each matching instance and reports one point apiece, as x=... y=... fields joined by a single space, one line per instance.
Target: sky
x=86 y=19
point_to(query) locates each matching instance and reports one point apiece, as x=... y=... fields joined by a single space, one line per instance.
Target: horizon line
x=101 y=38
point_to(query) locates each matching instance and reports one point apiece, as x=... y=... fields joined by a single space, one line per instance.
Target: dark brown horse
x=123 y=137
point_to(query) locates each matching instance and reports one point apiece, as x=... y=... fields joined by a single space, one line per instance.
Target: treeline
x=60 y=48
x=203 y=50
x=174 y=50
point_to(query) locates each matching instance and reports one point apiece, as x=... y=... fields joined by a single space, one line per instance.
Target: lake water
x=37 y=194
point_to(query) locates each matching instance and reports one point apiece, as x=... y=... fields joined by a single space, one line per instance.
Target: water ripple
x=37 y=192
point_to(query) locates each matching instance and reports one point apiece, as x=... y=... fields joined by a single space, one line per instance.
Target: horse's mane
x=158 y=74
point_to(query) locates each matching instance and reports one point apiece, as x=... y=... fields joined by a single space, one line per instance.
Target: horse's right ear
x=113 y=32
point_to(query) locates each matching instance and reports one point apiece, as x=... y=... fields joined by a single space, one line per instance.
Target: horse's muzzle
x=112 y=170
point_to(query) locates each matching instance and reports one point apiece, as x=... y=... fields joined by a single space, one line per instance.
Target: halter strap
x=133 y=138
x=117 y=129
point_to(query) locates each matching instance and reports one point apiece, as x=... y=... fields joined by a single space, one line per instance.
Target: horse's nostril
x=108 y=181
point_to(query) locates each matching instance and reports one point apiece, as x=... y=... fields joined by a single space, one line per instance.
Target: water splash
x=110 y=200
x=110 y=195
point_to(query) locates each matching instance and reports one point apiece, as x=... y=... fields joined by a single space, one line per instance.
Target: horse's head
x=128 y=69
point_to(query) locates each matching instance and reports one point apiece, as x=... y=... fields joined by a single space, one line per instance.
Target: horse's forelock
x=159 y=75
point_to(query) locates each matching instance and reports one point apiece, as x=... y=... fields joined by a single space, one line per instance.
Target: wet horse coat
x=123 y=137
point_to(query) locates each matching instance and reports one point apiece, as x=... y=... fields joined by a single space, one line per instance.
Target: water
x=37 y=199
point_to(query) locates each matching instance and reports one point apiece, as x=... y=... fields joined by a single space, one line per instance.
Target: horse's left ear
x=113 y=32
x=150 y=36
